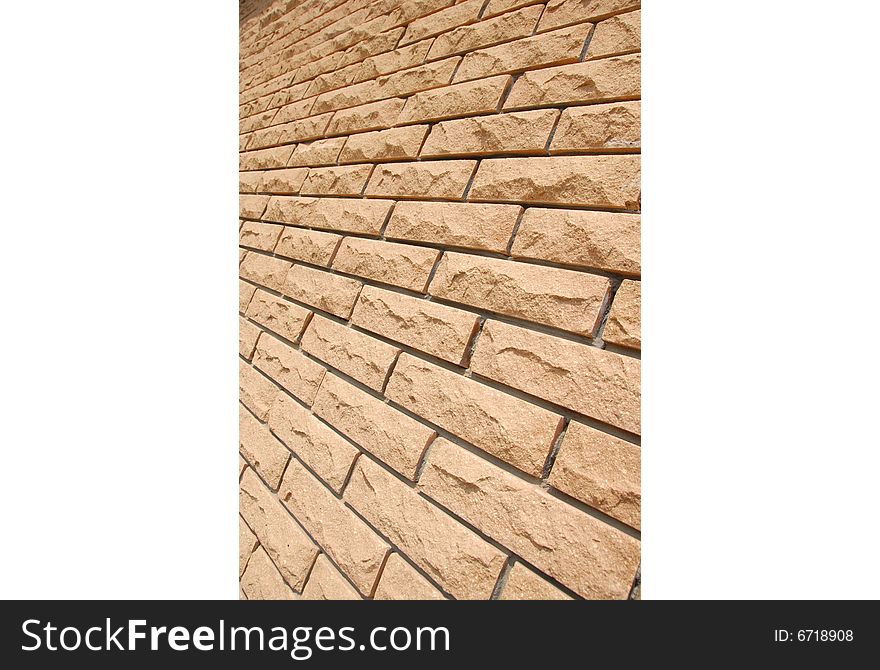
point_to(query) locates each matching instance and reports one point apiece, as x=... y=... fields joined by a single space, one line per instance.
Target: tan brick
x=319 y=152
x=515 y=132
x=525 y=584
x=288 y=181
x=248 y=182
x=285 y=542
x=407 y=12
x=385 y=432
x=509 y=26
x=624 y=325
x=510 y=429
x=392 y=144
x=310 y=246
x=278 y=315
x=564 y=299
x=615 y=78
x=388 y=262
x=372 y=116
x=617 y=35
x=436 y=329
x=439 y=179
x=330 y=81
x=316 y=67
x=251 y=206
x=472 y=97
x=399 y=59
x=257 y=235
x=464 y=564
x=590 y=557
x=242 y=464
x=289 y=94
x=263 y=159
x=241 y=252
x=603 y=240
x=496 y=7
x=351 y=216
x=324 y=451
x=262 y=581
x=247 y=542
x=326 y=583
x=600 y=384
x=359 y=356
x=264 y=270
x=245 y=293
x=256 y=122
x=296 y=131
x=371 y=46
x=441 y=21
x=347 y=96
x=338 y=180
x=255 y=391
x=291 y=369
x=598 y=181
x=469 y=225
x=612 y=127
x=352 y=545
x=602 y=471
x=399 y=581
x=263 y=451
x=326 y=291
x=563 y=12
x=247 y=338
x=294 y=111
x=416 y=79
x=555 y=48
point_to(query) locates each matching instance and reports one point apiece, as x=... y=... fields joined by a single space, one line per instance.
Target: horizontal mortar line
x=509 y=390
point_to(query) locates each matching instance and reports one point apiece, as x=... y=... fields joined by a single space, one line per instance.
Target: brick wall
x=439 y=299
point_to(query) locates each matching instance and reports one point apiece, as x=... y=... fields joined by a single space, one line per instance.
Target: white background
x=118 y=421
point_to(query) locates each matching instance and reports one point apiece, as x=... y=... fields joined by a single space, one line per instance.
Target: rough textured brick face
x=439 y=299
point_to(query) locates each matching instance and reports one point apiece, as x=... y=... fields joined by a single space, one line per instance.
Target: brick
x=255 y=391
x=603 y=240
x=590 y=557
x=248 y=182
x=319 y=152
x=555 y=48
x=601 y=470
x=262 y=449
x=291 y=369
x=597 y=181
x=326 y=291
x=524 y=584
x=372 y=116
x=515 y=132
x=472 y=97
x=257 y=235
x=330 y=81
x=262 y=581
x=612 y=127
x=256 y=122
x=251 y=206
x=600 y=384
x=294 y=111
x=263 y=159
x=564 y=299
x=245 y=293
x=247 y=338
x=278 y=315
x=391 y=144
x=624 y=324
x=247 y=542
x=468 y=225
x=326 y=583
x=415 y=79
x=242 y=464
x=388 y=262
x=298 y=131
x=513 y=430
x=352 y=545
x=347 y=96
x=288 y=180
x=461 y=562
x=310 y=246
x=386 y=433
x=244 y=141
x=615 y=78
x=400 y=581
x=407 y=12
x=496 y=7
x=617 y=35
x=264 y=270
x=313 y=69
x=371 y=46
x=241 y=252
x=399 y=59
x=506 y=27
x=285 y=542
x=359 y=356
x=563 y=12
x=441 y=21
x=338 y=180
x=440 y=179
x=323 y=450
x=350 y=216
x=436 y=329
